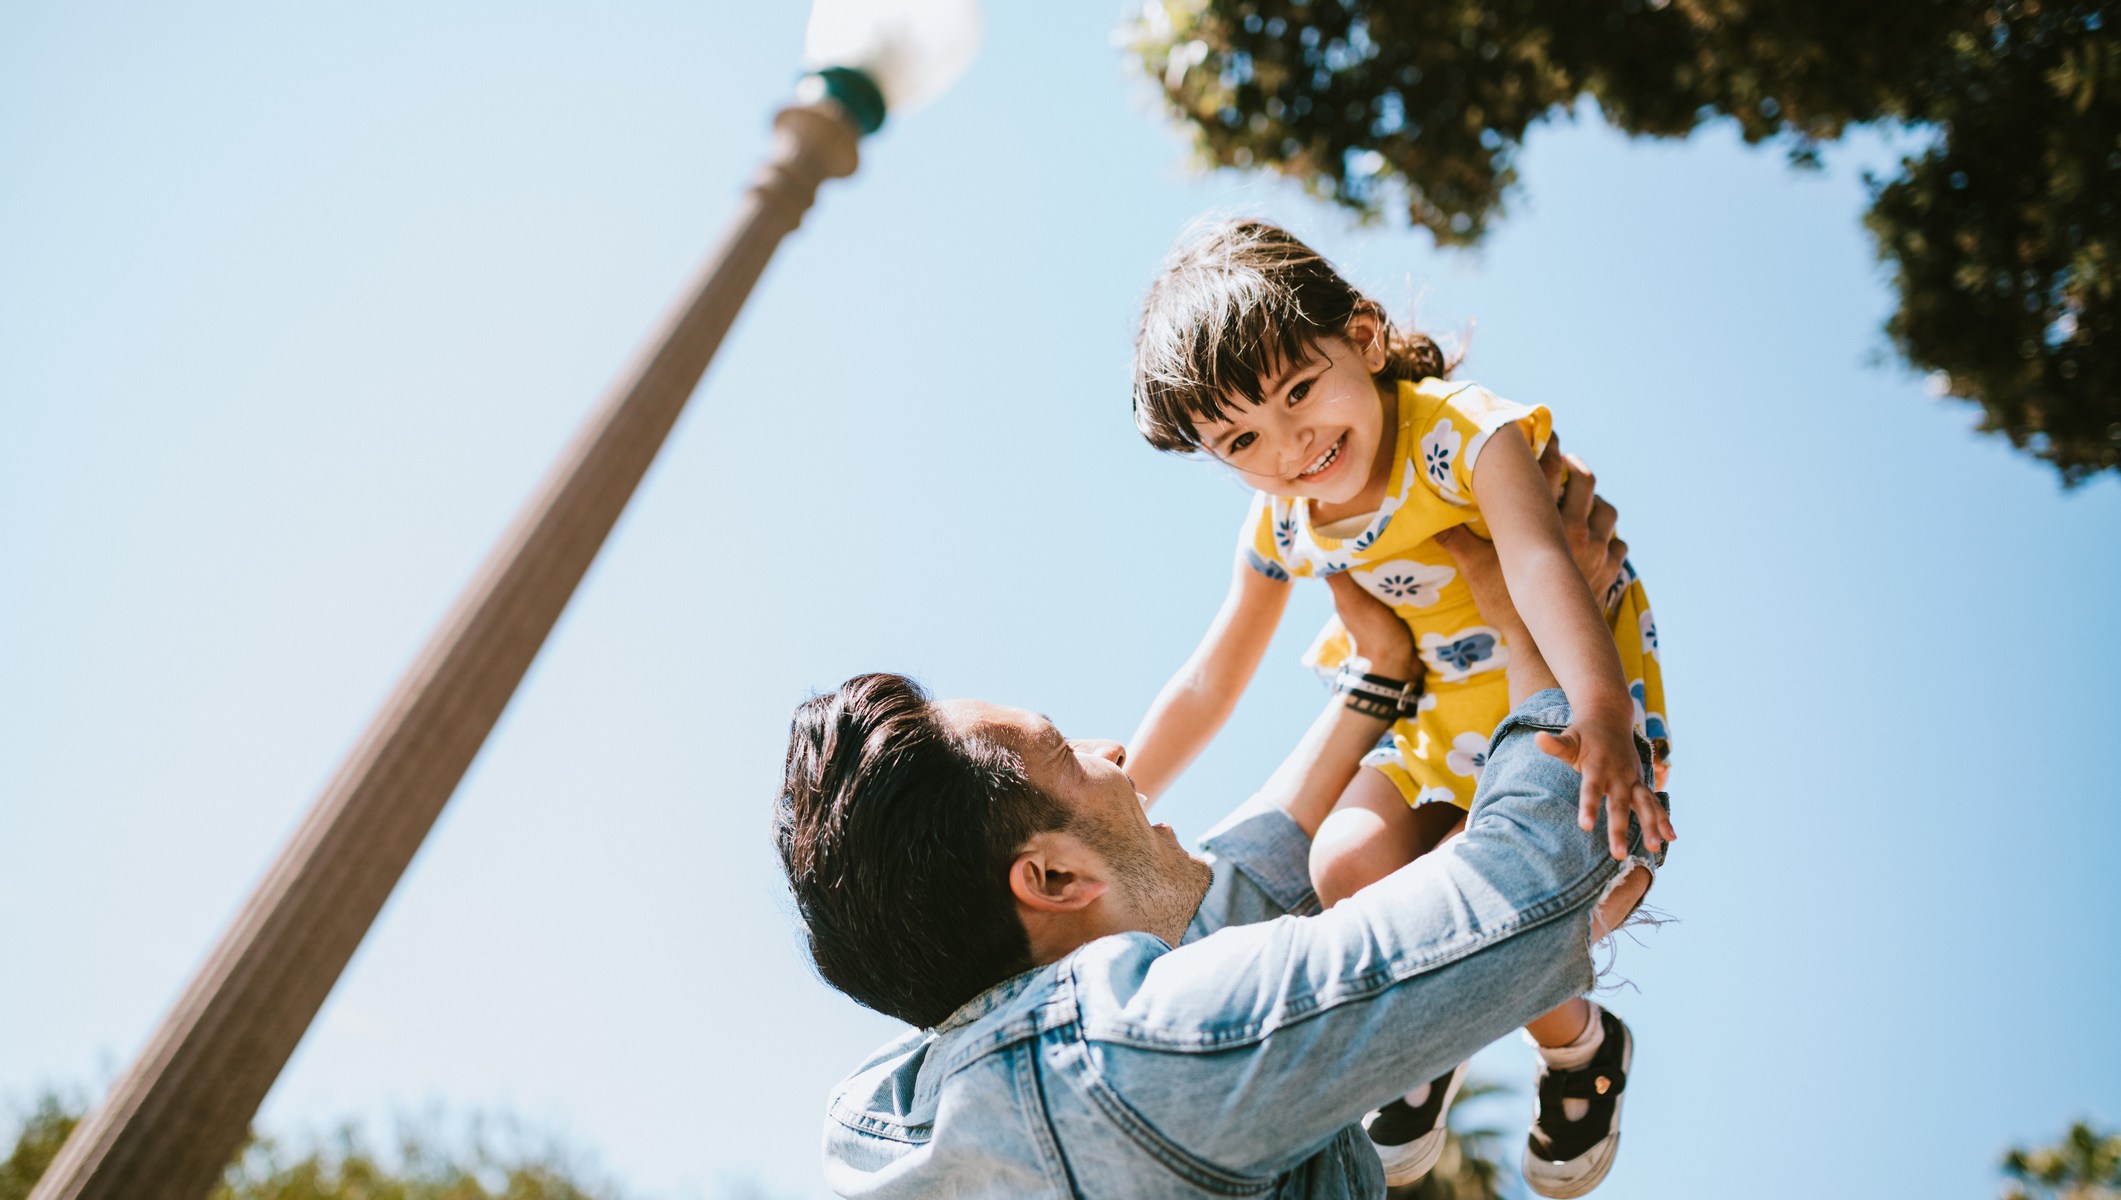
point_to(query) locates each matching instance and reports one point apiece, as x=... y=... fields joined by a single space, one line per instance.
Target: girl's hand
x=1601 y=747
x=1379 y=635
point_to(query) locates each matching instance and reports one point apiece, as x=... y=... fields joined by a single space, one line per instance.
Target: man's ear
x=1366 y=332
x=1055 y=873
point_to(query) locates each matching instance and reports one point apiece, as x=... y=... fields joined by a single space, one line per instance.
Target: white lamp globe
x=913 y=50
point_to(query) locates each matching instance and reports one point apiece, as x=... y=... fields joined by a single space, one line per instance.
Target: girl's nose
x=1290 y=454
x=1294 y=452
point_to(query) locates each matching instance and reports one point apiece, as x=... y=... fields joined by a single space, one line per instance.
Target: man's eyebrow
x=1058 y=738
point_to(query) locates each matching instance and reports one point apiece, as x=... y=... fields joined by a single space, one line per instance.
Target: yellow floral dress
x=1438 y=754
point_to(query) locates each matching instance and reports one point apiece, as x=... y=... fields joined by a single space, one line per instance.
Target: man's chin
x=1202 y=878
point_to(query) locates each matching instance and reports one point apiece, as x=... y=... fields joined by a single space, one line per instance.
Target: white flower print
x=1323 y=562
x=1649 y=724
x=1281 y=522
x=1469 y=753
x=1439 y=451
x=1435 y=795
x=1405 y=582
x=1463 y=653
x=1427 y=702
x=1377 y=525
x=1649 y=635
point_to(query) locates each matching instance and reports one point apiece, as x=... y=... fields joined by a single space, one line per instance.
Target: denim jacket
x=1241 y=1062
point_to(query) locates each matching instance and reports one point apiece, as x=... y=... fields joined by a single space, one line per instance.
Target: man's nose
x=1110 y=751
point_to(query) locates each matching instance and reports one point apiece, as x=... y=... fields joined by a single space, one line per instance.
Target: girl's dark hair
x=896 y=835
x=1234 y=307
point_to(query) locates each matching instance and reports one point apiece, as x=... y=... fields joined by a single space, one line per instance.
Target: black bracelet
x=1378 y=695
x=1370 y=706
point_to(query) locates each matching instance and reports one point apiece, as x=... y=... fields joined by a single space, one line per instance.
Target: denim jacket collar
x=987 y=1001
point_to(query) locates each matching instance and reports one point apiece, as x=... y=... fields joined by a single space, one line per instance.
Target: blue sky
x=297 y=303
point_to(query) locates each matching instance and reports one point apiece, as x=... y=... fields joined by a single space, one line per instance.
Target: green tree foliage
x=37 y=1141
x=2084 y=1165
x=2003 y=236
x=488 y=1165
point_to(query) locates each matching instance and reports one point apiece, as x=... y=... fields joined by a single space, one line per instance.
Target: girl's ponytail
x=1412 y=355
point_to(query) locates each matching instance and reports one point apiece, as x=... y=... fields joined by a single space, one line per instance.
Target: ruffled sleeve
x=1452 y=432
x=1266 y=537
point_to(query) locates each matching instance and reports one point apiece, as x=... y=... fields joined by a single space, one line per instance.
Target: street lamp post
x=177 y=1116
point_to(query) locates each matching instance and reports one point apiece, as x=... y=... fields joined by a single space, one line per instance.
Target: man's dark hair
x=896 y=834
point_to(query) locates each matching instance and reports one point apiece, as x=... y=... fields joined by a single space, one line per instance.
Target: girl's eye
x=1297 y=393
x=1242 y=440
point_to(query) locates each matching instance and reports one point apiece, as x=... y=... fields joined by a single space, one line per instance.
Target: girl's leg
x=1371 y=833
x=1585 y=1054
x=1562 y=1025
x=1569 y=1022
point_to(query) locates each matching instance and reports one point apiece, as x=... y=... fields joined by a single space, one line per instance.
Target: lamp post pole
x=179 y=1114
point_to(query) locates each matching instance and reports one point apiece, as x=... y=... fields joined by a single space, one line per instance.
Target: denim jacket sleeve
x=1251 y=1048
x=1262 y=863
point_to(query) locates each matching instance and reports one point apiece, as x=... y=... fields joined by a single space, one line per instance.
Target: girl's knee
x=1361 y=841
x=1341 y=867
x=1622 y=897
x=1370 y=834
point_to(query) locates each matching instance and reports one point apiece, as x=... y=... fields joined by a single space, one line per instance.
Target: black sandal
x=1564 y=1158
x=1409 y=1138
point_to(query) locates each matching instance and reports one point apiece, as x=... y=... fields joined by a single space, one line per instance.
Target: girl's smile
x=1326 y=464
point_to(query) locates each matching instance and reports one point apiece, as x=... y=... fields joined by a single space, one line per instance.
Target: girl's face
x=1320 y=432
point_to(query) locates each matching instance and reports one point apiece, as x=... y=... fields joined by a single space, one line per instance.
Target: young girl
x=1256 y=352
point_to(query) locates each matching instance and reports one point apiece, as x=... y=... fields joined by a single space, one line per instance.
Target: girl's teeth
x=1324 y=460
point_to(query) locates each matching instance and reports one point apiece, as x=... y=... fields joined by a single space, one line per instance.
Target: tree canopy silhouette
x=2084 y=1165
x=493 y=1164
x=2003 y=235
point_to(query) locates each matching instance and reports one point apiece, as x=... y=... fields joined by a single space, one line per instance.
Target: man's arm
x=1309 y=781
x=1253 y=1048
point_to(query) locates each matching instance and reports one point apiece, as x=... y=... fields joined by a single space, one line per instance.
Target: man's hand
x=1587 y=520
x=1378 y=633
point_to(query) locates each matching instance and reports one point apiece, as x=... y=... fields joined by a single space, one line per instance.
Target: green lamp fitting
x=855 y=93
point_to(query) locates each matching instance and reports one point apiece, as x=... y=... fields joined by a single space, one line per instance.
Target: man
x=1100 y=1013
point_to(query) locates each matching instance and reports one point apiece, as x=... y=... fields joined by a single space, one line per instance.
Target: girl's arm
x=1199 y=698
x=1565 y=623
